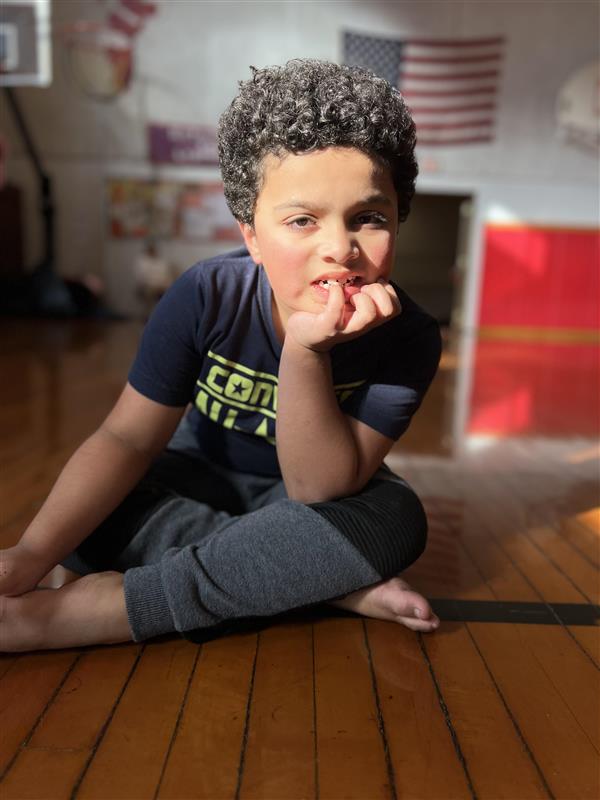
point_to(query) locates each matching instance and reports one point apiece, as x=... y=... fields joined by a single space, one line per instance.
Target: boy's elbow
x=331 y=484
x=307 y=497
x=322 y=493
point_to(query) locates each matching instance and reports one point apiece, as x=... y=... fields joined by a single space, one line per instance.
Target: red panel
x=541 y=277
x=533 y=388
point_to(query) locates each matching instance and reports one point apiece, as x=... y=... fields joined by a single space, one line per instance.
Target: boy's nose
x=339 y=248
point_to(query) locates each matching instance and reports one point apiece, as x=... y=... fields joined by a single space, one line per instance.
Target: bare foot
x=88 y=611
x=394 y=600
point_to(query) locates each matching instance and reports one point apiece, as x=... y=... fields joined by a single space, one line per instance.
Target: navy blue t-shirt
x=211 y=341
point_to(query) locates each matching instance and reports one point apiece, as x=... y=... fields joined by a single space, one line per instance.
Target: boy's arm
x=323 y=453
x=93 y=482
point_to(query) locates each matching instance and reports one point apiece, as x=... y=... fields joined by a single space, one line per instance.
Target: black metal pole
x=44 y=181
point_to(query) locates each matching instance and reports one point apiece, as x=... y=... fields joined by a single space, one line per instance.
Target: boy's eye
x=300 y=222
x=371 y=218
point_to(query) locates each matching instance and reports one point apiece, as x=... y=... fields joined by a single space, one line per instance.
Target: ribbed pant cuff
x=146 y=602
x=385 y=522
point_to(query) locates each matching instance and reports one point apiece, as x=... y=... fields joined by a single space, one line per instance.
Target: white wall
x=191 y=55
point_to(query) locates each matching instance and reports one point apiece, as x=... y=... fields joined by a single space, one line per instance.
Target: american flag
x=450 y=85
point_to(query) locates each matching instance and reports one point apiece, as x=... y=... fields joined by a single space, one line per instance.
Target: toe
x=413 y=606
x=420 y=625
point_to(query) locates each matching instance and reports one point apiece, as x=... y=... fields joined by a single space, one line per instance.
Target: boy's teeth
x=347 y=282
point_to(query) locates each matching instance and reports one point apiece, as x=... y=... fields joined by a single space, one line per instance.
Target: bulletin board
x=195 y=212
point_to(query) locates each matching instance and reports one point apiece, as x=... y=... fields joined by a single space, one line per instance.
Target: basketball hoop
x=99 y=58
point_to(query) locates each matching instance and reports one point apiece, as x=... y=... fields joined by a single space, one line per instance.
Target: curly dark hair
x=309 y=104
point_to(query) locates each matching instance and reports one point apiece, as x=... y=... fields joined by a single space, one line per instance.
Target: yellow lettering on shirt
x=243 y=399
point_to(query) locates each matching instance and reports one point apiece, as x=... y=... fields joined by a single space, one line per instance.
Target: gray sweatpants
x=206 y=550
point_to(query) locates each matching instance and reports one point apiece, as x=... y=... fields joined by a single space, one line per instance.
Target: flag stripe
x=465 y=140
x=441 y=76
x=460 y=93
x=443 y=126
x=456 y=42
x=416 y=110
x=451 y=60
x=409 y=50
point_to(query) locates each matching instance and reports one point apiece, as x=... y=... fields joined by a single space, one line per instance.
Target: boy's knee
x=386 y=522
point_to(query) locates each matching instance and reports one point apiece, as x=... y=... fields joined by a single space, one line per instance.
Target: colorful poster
x=167 y=210
x=163 y=209
x=204 y=215
x=129 y=202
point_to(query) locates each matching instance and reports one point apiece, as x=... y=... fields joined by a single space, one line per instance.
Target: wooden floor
x=501 y=702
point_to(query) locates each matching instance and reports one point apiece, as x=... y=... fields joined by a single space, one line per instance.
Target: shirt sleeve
x=169 y=359
x=391 y=396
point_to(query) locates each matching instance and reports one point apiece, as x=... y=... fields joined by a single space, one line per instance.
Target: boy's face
x=326 y=214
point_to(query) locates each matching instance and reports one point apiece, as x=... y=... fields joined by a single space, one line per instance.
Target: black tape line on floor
x=523 y=613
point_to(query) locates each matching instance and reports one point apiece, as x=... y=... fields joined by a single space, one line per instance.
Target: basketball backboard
x=25 y=43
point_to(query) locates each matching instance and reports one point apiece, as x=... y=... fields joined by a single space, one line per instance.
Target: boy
x=303 y=365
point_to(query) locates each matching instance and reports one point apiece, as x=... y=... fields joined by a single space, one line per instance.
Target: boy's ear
x=249 y=236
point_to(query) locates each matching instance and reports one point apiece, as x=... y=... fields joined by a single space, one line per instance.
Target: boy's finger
x=365 y=313
x=388 y=287
x=335 y=305
x=392 y=293
x=382 y=299
x=395 y=299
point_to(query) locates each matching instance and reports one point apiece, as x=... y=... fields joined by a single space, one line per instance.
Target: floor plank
x=581 y=537
x=44 y=774
x=279 y=756
x=130 y=756
x=26 y=689
x=206 y=751
x=483 y=725
x=348 y=724
x=414 y=719
x=552 y=733
x=582 y=574
x=572 y=674
x=82 y=707
x=509 y=528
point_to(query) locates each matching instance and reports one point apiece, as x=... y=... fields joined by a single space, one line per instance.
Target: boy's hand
x=21 y=570
x=375 y=304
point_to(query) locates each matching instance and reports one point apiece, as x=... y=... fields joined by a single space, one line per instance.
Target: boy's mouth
x=350 y=285
x=340 y=281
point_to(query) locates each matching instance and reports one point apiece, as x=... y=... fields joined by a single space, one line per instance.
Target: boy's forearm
x=315 y=446
x=93 y=482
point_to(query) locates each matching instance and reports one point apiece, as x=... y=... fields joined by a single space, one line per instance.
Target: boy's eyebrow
x=378 y=198
x=294 y=202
